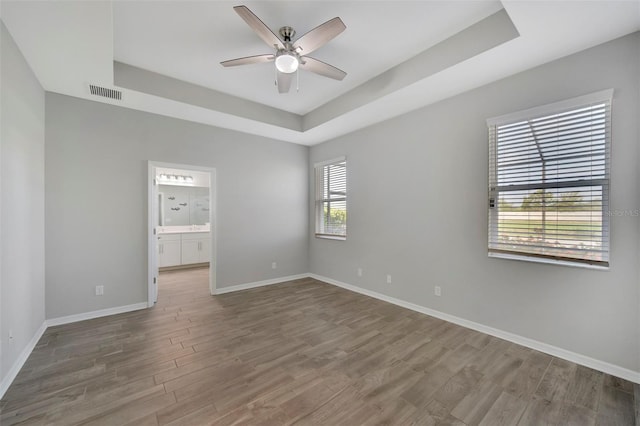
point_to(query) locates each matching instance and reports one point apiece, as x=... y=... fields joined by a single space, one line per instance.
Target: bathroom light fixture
x=173 y=179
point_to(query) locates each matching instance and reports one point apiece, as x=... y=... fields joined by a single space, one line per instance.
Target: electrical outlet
x=359 y=272
x=274 y=265
x=437 y=290
x=99 y=290
x=388 y=279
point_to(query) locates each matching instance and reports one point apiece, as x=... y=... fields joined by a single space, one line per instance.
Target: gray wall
x=21 y=204
x=417 y=204
x=96 y=168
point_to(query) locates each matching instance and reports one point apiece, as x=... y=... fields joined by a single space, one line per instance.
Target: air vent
x=105 y=93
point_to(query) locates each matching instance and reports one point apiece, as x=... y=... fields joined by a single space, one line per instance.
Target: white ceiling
x=188 y=41
x=71 y=44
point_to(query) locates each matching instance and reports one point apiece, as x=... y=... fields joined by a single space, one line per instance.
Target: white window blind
x=549 y=181
x=331 y=199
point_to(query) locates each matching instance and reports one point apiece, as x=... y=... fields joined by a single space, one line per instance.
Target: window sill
x=332 y=237
x=548 y=261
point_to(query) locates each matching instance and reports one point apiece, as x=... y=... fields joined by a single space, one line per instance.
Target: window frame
x=320 y=201
x=566 y=106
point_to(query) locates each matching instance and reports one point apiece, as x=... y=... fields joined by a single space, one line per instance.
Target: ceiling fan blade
x=284 y=82
x=248 y=60
x=322 y=68
x=259 y=27
x=319 y=36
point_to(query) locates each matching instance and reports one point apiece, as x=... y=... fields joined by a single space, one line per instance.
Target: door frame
x=153 y=214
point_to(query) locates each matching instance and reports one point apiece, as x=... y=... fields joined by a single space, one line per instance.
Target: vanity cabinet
x=186 y=248
x=195 y=248
x=169 y=250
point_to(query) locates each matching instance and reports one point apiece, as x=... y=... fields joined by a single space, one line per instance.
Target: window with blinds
x=331 y=199
x=549 y=182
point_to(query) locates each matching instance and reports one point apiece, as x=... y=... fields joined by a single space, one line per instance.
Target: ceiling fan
x=290 y=55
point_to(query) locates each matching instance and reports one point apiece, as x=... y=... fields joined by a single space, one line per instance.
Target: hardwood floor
x=301 y=352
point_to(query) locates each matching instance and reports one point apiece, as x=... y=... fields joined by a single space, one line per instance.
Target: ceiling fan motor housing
x=287 y=59
x=287 y=33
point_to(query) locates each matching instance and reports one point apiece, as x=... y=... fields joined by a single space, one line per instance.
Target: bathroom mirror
x=183 y=205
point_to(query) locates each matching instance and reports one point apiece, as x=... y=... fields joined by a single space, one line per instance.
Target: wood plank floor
x=301 y=352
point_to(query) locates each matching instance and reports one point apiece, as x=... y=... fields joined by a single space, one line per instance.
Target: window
x=549 y=182
x=331 y=199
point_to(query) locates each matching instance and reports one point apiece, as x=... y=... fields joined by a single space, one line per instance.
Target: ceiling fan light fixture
x=287 y=63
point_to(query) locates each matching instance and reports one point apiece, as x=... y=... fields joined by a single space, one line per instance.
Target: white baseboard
x=605 y=367
x=24 y=355
x=263 y=283
x=95 y=314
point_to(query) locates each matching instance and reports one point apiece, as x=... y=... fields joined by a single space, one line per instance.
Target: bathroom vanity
x=183 y=245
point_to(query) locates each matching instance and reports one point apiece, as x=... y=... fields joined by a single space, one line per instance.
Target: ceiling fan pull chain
x=298 y=80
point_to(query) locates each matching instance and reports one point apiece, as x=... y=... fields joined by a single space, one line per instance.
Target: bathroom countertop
x=182 y=229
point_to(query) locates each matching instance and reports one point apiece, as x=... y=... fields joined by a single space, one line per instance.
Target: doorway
x=182 y=232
